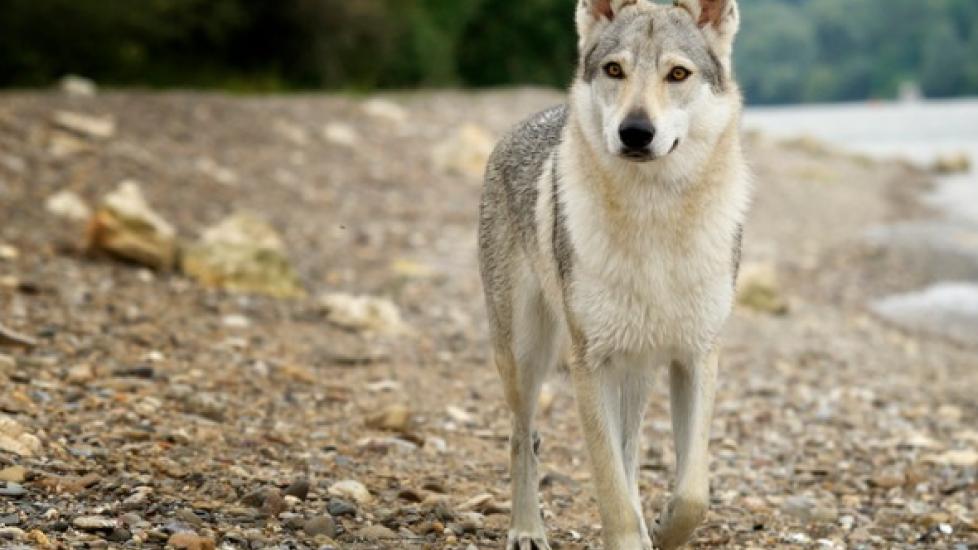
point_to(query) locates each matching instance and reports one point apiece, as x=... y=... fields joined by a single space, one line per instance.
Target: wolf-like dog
x=610 y=231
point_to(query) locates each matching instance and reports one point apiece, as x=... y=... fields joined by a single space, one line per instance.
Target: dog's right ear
x=593 y=15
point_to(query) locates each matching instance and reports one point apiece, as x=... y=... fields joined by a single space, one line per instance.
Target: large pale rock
x=465 y=153
x=952 y=163
x=362 y=313
x=242 y=254
x=15 y=439
x=758 y=289
x=126 y=227
x=351 y=489
x=383 y=109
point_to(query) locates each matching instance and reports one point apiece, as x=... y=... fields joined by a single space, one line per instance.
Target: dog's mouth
x=646 y=154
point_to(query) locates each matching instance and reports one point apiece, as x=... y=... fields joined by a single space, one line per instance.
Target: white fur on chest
x=651 y=274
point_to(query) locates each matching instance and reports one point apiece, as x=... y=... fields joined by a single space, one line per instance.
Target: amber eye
x=678 y=74
x=614 y=70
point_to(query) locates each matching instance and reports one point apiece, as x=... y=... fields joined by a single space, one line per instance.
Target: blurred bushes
x=790 y=50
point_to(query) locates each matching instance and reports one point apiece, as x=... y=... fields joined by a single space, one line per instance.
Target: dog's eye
x=614 y=70
x=678 y=74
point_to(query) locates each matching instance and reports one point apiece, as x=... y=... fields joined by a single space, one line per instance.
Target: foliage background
x=789 y=50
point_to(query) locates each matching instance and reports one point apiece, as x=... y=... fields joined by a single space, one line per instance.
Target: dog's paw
x=677 y=524
x=527 y=540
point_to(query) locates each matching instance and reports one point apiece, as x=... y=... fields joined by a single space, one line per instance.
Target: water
x=920 y=132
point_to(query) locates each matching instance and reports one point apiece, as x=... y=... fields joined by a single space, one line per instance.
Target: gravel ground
x=152 y=411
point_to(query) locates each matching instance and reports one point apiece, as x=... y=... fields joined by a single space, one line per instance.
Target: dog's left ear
x=719 y=21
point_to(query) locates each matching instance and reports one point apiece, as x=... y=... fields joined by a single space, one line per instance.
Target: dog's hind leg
x=523 y=364
x=693 y=387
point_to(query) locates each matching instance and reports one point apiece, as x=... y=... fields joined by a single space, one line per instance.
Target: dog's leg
x=693 y=387
x=523 y=368
x=599 y=402
x=635 y=385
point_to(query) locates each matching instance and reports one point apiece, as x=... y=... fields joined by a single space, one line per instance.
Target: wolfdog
x=610 y=233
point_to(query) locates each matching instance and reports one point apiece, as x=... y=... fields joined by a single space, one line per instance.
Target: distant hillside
x=790 y=50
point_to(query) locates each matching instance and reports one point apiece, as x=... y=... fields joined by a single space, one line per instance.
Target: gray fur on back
x=507 y=216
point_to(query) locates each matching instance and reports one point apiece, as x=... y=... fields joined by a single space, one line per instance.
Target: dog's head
x=653 y=77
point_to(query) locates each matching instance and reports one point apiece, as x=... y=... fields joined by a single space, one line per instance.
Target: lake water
x=920 y=132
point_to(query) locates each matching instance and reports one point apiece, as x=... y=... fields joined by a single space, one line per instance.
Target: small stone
x=14 y=439
x=68 y=205
x=299 y=489
x=394 y=418
x=273 y=504
x=190 y=541
x=119 y=534
x=77 y=86
x=465 y=153
x=963 y=458
x=385 y=110
x=341 y=134
x=15 y=474
x=11 y=338
x=375 y=533
x=758 y=289
x=97 y=127
x=11 y=489
x=80 y=374
x=339 y=507
x=888 y=479
x=320 y=525
x=807 y=510
x=8 y=252
x=39 y=538
x=11 y=533
x=94 y=523
x=351 y=489
x=460 y=415
x=189 y=517
x=127 y=228
x=362 y=313
x=10 y=519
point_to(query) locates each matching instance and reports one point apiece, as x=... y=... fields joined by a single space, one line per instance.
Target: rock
x=62 y=145
x=13 y=339
x=36 y=536
x=211 y=169
x=242 y=254
x=189 y=517
x=14 y=439
x=385 y=110
x=299 y=489
x=341 y=134
x=375 y=533
x=394 y=418
x=11 y=533
x=888 y=479
x=952 y=163
x=460 y=415
x=320 y=525
x=119 y=534
x=362 y=313
x=85 y=125
x=125 y=227
x=68 y=205
x=190 y=541
x=809 y=510
x=8 y=252
x=12 y=489
x=465 y=153
x=758 y=289
x=351 y=489
x=77 y=86
x=273 y=504
x=339 y=507
x=15 y=474
x=80 y=374
x=963 y=458
x=10 y=519
x=94 y=523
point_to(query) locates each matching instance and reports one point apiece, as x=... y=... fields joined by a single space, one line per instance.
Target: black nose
x=636 y=132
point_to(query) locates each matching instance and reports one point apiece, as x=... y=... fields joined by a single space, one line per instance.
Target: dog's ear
x=719 y=20
x=595 y=14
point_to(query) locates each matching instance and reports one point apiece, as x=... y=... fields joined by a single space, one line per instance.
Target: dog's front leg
x=599 y=404
x=693 y=387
